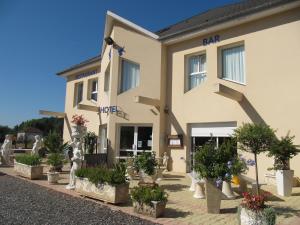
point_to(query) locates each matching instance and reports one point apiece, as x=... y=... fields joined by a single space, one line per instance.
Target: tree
x=3 y=131
x=255 y=138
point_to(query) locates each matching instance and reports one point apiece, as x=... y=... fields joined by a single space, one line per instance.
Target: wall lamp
x=110 y=41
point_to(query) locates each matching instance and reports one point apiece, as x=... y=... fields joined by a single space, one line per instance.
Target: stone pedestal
x=199 y=190
x=227 y=190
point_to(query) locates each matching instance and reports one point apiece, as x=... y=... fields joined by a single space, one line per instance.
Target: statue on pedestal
x=37 y=145
x=6 y=150
x=77 y=161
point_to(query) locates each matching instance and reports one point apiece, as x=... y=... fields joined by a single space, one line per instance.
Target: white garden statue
x=77 y=161
x=37 y=145
x=6 y=150
x=165 y=161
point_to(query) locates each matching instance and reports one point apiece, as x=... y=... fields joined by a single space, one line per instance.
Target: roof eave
x=189 y=34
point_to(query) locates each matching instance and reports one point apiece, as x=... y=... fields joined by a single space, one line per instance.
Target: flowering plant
x=79 y=120
x=254 y=202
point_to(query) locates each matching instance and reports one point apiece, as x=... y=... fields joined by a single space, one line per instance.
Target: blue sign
x=211 y=40
x=109 y=109
x=86 y=74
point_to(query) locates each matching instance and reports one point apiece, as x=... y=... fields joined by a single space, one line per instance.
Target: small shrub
x=31 y=160
x=144 y=195
x=55 y=159
x=146 y=161
x=100 y=175
x=270 y=215
x=254 y=202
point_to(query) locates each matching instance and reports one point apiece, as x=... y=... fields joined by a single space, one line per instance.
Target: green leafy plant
x=55 y=160
x=145 y=195
x=100 y=175
x=270 y=215
x=90 y=141
x=31 y=160
x=218 y=163
x=54 y=143
x=146 y=162
x=255 y=138
x=283 y=150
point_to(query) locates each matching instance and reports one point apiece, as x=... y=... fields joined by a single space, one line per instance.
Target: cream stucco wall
x=272 y=54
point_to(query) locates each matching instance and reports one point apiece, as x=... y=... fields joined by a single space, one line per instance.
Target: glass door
x=134 y=140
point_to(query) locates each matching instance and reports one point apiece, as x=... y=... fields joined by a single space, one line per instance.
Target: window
x=233 y=64
x=103 y=139
x=107 y=80
x=130 y=76
x=78 y=93
x=94 y=90
x=196 y=70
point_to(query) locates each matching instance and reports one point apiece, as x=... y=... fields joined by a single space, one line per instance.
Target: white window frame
x=121 y=75
x=93 y=91
x=135 y=140
x=235 y=45
x=198 y=73
x=76 y=92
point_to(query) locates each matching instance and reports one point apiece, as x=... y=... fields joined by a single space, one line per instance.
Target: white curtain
x=130 y=75
x=234 y=64
x=197 y=70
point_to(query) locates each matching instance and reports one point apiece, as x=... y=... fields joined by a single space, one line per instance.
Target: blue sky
x=41 y=37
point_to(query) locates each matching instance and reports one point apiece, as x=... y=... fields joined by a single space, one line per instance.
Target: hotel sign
x=86 y=74
x=211 y=40
x=108 y=109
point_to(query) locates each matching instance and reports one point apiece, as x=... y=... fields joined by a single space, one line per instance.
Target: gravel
x=25 y=203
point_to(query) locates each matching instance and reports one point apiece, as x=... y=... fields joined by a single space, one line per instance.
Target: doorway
x=134 y=140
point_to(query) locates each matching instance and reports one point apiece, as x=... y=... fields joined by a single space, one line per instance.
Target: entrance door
x=134 y=140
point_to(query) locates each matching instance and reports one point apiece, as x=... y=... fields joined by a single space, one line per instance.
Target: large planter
x=213 y=197
x=250 y=217
x=284 y=180
x=155 y=209
x=53 y=177
x=227 y=190
x=78 y=131
x=104 y=192
x=31 y=172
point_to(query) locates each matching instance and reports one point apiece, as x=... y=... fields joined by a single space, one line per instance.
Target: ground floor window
x=103 y=139
x=135 y=139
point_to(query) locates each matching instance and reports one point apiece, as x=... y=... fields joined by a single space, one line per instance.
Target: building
x=200 y=78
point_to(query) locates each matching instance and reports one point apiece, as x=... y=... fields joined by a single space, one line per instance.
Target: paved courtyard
x=182 y=208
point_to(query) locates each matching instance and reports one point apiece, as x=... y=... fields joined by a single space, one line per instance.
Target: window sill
x=233 y=81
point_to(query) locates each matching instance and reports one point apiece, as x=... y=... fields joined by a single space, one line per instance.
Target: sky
x=39 y=38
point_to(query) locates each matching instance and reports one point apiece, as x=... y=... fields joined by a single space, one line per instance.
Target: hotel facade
x=172 y=90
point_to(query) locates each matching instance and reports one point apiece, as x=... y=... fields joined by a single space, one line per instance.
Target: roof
x=81 y=64
x=219 y=15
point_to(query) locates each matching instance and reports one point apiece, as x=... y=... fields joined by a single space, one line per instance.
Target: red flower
x=79 y=120
x=254 y=202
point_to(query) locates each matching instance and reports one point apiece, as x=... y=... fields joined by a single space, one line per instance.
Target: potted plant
x=55 y=160
x=79 y=129
x=254 y=138
x=28 y=166
x=109 y=185
x=145 y=165
x=150 y=201
x=211 y=163
x=254 y=211
x=54 y=144
x=283 y=150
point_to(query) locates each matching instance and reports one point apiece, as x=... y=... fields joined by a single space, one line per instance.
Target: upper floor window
x=197 y=70
x=107 y=79
x=78 y=95
x=233 y=64
x=130 y=75
x=94 y=90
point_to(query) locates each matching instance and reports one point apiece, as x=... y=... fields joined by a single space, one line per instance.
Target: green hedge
x=100 y=175
x=31 y=160
x=144 y=195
